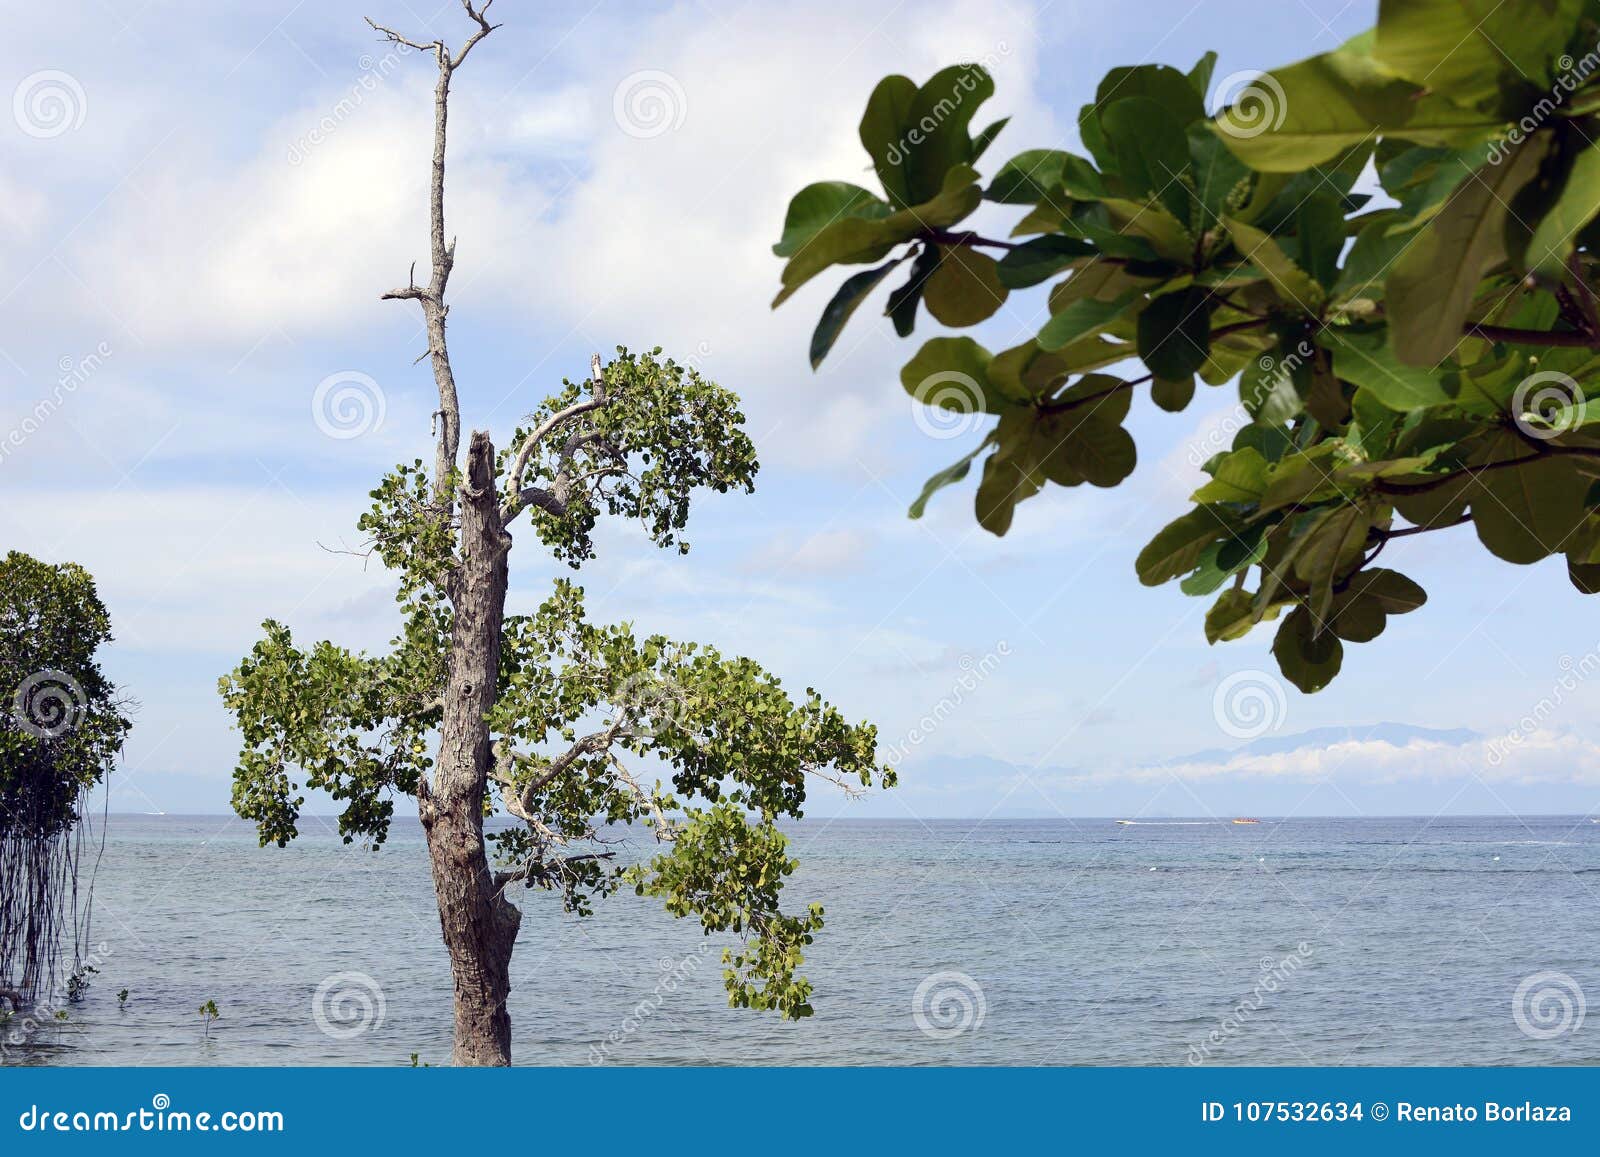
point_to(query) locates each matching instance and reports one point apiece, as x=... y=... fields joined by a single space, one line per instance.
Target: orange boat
x=1246 y=820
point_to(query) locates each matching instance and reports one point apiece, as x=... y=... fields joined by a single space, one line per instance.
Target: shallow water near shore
x=1302 y=942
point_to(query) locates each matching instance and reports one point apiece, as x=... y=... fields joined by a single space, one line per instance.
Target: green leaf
x=947 y=102
x=947 y=477
x=1231 y=616
x=882 y=133
x=818 y=206
x=1083 y=317
x=851 y=294
x=951 y=373
x=964 y=288
x=1310 y=112
x=1554 y=237
x=1295 y=285
x=1151 y=150
x=981 y=142
x=1172 y=394
x=1367 y=360
x=1152 y=221
x=1525 y=513
x=1176 y=549
x=1175 y=333
x=1471 y=50
x=1099 y=450
x=1030 y=178
x=1169 y=89
x=1240 y=476
x=1307 y=659
x=1431 y=287
x=1040 y=259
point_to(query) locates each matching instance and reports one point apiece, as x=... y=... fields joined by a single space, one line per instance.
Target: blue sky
x=235 y=185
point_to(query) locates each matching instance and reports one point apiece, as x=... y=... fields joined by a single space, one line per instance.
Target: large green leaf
x=952 y=373
x=1555 y=236
x=851 y=294
x=1176 y=549
x=1175 y=333
x=817 y=206
x=1307 y=658
x=883 y=128
x=1040 y=259
x=1310 y=112
x=947 y=477
x=1366 y=359
x=1084 y=317
x=1469 y=50
x=964 y=288
x=1430 y=290
x=1297 y=287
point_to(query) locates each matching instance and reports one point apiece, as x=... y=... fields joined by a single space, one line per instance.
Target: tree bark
x=479 y=924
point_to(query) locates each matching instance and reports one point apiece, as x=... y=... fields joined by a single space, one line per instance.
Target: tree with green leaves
x=547 y=718
x=62 y=726
x=1408 y=360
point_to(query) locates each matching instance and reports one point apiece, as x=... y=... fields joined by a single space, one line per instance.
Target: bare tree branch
x=554 y=499
x=431 y=296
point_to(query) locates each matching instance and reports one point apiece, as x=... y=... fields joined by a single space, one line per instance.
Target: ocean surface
x=1059 y=942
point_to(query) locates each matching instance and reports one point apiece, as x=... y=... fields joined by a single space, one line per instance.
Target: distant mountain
x=1373 y=769
x=1394 y=734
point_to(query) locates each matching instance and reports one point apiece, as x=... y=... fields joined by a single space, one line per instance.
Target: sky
x=200 y=204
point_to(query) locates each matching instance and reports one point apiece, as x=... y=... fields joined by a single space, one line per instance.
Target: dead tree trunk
x=479 y=924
